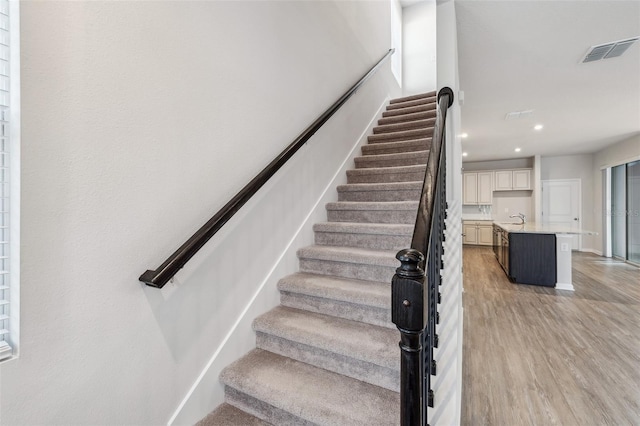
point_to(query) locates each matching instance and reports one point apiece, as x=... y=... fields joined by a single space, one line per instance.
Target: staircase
x=329 y=353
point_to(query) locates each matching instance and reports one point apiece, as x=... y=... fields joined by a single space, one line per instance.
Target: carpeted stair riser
x=364 y=301
x=228 y=415
x=347 y=270
x=360 y=370
x=407 y=104
x=404 y=135
x=421 y=115
x=408 y=110
x=392 y=160
x=431 y=94
x=361 y=351
x=378 y=189
x=398 y=195
x=387 y=175
x=408 y=125
x=283 y=391
x=396 y=237
x=348 y=262
x=366 y=314
x=382 y=242
x=376 y=212
x=397 y=147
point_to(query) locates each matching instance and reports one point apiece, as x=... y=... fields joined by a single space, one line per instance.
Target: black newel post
x=407 y=313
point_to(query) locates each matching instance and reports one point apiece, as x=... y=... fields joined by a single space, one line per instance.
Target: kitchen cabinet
x=477 y=188
x=512 y=180
x=477 y=232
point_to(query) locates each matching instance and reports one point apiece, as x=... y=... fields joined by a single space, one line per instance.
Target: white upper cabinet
x=512 y=180
x=477 y=188
x=521 y=179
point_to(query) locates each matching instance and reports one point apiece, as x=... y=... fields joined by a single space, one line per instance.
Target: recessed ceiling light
x=464 y=154
x=538 y=127
x=464 y=135
x=517 y=150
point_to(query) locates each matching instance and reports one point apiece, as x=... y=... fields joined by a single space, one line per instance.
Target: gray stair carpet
x=328 y=355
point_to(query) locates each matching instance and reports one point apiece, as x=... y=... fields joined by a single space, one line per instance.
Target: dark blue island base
x=532 y=259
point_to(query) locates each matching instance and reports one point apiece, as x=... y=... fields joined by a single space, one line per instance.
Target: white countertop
x=541 y=228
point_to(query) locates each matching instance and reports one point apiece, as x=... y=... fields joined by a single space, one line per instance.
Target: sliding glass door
x=633 y=212
x=619 y=211
x=625 y=211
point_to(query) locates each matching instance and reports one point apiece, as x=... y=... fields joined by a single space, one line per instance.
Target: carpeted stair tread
x=375 y=345
x=359 y=292
x=407 y=125
x=431 y=94
x=311 y=394
x=409 y=110
x=228 y=415
x=402 y=118
x=396 y=147
x=403 y=135
x=392 y=160
x=387 y=174
x=416 y=102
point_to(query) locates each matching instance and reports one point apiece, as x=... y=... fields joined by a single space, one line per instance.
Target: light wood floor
x=537 y=356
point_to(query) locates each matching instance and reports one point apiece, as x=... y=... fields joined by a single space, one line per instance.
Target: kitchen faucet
x=521 y=216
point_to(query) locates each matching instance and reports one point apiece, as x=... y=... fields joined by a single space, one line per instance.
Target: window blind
x=5 y=274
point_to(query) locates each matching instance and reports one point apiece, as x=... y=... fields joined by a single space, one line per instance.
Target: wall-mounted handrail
x=415 y=286
x=160 y=276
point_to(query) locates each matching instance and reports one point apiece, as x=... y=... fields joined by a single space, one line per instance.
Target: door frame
x=580 y=207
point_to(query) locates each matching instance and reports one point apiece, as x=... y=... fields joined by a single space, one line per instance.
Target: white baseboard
x=190 y=409
x=565 y=286
x=590 y=250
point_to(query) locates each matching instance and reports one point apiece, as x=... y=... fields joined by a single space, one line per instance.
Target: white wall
x=419 y=47
x=140 y=120
x=447 y=385
x=575 y=167
x=620 y=153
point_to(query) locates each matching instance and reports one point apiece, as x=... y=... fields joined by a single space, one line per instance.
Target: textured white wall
x=419 y=47
x=140 y=120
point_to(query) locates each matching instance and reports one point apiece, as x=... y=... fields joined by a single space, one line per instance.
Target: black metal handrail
x=415 y=286
x=160 y=276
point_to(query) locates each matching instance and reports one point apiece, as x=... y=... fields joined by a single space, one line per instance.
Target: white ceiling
x=525 y=55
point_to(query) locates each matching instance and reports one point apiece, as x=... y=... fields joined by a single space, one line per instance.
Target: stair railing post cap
x=410 y=260
x=446 y=91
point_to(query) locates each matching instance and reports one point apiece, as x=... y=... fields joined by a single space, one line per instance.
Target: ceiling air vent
x=609 y=50
x=518 y=114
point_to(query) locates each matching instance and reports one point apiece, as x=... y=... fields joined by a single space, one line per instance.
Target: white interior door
x=561 y=205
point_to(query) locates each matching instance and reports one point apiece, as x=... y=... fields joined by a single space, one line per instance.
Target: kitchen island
x=537 y=254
